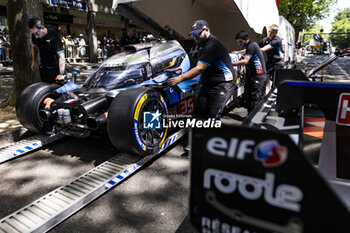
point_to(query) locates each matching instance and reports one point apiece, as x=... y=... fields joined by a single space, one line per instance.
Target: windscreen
x=122 y=70
x=167 y=55
x=117 y=77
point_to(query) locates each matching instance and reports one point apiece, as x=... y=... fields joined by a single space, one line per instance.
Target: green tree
x=303 y=14
x=344 y=14
x=21 y=45
x=341 y=24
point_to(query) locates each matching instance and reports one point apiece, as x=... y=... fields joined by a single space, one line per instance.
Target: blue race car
x=127 y=96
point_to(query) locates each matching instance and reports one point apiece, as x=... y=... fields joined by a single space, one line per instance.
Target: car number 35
x=186 y=106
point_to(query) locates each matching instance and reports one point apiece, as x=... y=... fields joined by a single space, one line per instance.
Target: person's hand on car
x=60 y=77
x=33 y=66
x=175 y=80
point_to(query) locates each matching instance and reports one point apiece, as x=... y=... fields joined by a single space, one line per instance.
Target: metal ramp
x=25 y=146
x=51 y=209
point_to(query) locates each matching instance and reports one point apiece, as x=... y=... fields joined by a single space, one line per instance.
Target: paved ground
x=337 y=71
x=154 y=200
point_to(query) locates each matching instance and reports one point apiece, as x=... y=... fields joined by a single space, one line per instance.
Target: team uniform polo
x=214 y=54
x=256 y=62
x=274 y=55
x=254 y=88
x=49 y=47
x=217 y=79
x=127 y=40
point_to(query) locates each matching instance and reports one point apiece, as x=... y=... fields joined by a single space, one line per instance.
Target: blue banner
x=80 y=5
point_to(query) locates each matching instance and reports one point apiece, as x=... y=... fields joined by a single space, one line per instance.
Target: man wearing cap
x=49 y=45
x=214 y=65
x=129 y=38
x=255 y=85
x=272 y=46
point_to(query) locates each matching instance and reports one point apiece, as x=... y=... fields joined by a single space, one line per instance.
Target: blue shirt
x=256 y=62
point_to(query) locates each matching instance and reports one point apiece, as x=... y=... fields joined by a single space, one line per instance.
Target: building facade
x=69 y=17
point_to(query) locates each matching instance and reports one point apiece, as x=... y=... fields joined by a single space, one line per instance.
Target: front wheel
x=137 y=121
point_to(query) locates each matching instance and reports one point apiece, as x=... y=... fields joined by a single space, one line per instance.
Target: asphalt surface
x=337 y=71
x=153 y=200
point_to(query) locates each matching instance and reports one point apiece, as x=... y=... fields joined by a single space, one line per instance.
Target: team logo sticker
x=270 y=153
x=152 y=120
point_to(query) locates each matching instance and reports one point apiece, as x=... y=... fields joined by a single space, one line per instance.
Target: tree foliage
x=341 y=24
x=303 y=14
x=344 y=14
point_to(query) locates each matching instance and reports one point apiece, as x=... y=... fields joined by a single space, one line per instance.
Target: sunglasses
x=197 y=35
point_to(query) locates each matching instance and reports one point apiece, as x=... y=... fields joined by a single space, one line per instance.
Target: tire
x=125 y=121
x=29 y=103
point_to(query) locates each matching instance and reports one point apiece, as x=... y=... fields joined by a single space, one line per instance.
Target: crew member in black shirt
x=256 y=80
x=129 y=38
x=272 y=46
x=49 y=45
x=214 y=65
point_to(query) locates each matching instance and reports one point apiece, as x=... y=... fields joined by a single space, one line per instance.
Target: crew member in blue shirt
x=256 y=80
x=272 y=46
x=214 y=65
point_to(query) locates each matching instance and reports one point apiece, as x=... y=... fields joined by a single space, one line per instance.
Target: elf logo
x=270 y=153
x=343 y=114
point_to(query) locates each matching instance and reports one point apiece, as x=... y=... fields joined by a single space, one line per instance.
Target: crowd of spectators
x=76 y=47
x=5 y=46
x=108 y=46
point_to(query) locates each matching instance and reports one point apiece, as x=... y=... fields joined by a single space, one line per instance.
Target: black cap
x=198 y=26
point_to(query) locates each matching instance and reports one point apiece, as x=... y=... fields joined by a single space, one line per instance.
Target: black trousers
x=271 y=66
x=212 y=98
x=254 y=90
x=48 y=74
